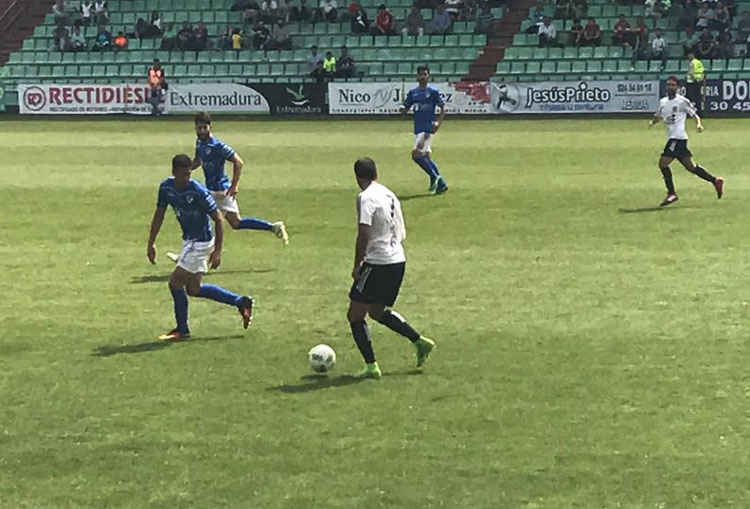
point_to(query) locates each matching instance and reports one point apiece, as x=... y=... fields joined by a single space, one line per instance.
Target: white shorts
x=423 y=143
x=225 y=203
x=194 y=255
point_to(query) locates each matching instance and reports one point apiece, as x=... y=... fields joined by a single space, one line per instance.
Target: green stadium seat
x=72 y=71
x=718 y=65
x=466 y=40
x=193 y=70
x=518 y=68
x=570 y=52
x=623 y=66
x=586 y=52
x=115 y=18
x=194 y=16
x=593 y=66
x=68 y=58
x=179 y=70
x=548 y=67
x=578 y=66
x=609 y=66
x=533 y=67
x=406 y=69
x=45 y=71
x=503 y=67
x=128 y=19
x=540 y=53
x=277 y=70
x=112 y=71
x=84 y=70
x=600 y=52
x=608 y=11
x=263 y=70
x=235 y=70
x=58 y=71
x=519 y=40
x=451 y=40
x=30 y=58
x=54 y=57
x=462 y=68
x=641 y=66
x=734 y=64
x=555 y=53
x=207 y=70
x=221 y=17
x=139 y=6
x=564 y=66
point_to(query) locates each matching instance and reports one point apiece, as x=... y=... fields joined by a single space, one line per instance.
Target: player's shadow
x=649 y=209
x=317 y=382
x=165 y=277
x=415 y=196
x=151 y=346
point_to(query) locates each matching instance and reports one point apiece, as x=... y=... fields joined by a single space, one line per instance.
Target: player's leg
x=177 y=282
x=438 y=185
x=361 y=334
x=699 y=171
x=420 y=156
x=394 y=321
x=231 y=211
x=195 y=263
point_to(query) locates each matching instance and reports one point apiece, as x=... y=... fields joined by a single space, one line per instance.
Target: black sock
x=397 y=324
x=667 y=174
x=701 y=172
x=362 y=337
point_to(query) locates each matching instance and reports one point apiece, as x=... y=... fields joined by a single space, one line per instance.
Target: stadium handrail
x=5 y=23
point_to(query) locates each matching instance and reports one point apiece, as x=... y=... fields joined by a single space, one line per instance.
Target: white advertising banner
x=386 y=98
x=215 y=97
x=83 y=99
x=575 y=97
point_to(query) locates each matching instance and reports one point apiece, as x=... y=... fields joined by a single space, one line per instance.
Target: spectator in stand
x=484 y=20
x=154 y=29
x=61 y=16
x=659 y=48
x=705 y=17
x=285 y=11
x=345 y=64
x=120 y=42
x=86 y=7
x=251 y=14
x=705 y=48
x=352 y=8
x=384 y=22
x=621 y=34
x=691 y=41
x=579 y=9
x=100 y=12
x=169 y=37
x=657 y=8
x=575 y=34
x=319 y=74
x=547 y=33
x=326 y=12
x=200 y=37
x=685 y=14
x=453 y=8
x=280 y=38
x=60 y=37
x=722 y=20
x=77 y=40
x=103 y=39
x=186 y=37
x=157 y=86
x=441 y=21
x=236 y=40
x=268 y=10
x=743 y=26
x=329 y=65
x=261 y=35
x=724 y=46
x=360 y=23
x=640 y=35
x=238 y=5
x=414 y=22
x=592 y=34
x=564 y=9
x=314 y=59
x=536 y=15
x=301 y=13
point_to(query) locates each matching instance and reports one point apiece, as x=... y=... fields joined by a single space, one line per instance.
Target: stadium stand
x=526 y=61
x=380 y=58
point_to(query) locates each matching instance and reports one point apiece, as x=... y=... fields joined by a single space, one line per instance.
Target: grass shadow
x=322 y=381
x=151 y=346
x=165 y=277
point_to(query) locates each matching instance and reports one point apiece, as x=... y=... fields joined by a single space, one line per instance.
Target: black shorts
x=677 y=149
x=378 y=284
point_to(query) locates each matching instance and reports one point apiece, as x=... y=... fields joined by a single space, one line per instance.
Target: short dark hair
x=423 y=67
x=181 y=161
x=673 y=78
x=203 y=117
x=365 y=169
x=157 y=61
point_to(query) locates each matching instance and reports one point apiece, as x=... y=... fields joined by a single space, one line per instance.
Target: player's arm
x=156 y=223
x=439 y=120
x=195 y=164
x=654 y=120
x=408 y=103
x=698 y=123
x=360 y=247
x=237 y=163
x=215 y=259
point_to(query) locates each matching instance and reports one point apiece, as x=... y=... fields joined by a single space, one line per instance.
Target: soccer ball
x=321 y=358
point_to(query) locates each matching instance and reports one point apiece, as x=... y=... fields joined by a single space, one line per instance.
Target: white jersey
x=673 y=113
x=379 y=208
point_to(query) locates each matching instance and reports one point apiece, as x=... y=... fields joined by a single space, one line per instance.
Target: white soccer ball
x=322 y=358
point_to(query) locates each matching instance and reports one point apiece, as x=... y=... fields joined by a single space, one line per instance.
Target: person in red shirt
x=383 y=22
x=119 y=42
x=592 y=34
x=621 y=32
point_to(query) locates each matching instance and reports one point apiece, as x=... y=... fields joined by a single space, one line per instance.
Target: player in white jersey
x=379 y=265
x=673 y=111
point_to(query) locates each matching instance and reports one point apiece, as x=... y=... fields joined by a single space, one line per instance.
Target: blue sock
x=434 y=167
x=180 y=309
x=424 y=163
x=219 y=294
x=253 y=223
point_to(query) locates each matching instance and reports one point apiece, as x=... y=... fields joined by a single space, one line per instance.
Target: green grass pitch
x=592 y=353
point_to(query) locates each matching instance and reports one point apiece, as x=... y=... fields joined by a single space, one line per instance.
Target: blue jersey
x=192 y=205
x=424 y=112
x=213 y=154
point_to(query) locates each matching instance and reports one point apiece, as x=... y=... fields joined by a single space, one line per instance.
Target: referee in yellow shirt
x=695 y=82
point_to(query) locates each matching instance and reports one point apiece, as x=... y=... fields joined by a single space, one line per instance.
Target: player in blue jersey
x=424 y=99
x=211 y=154
x=193 y=205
